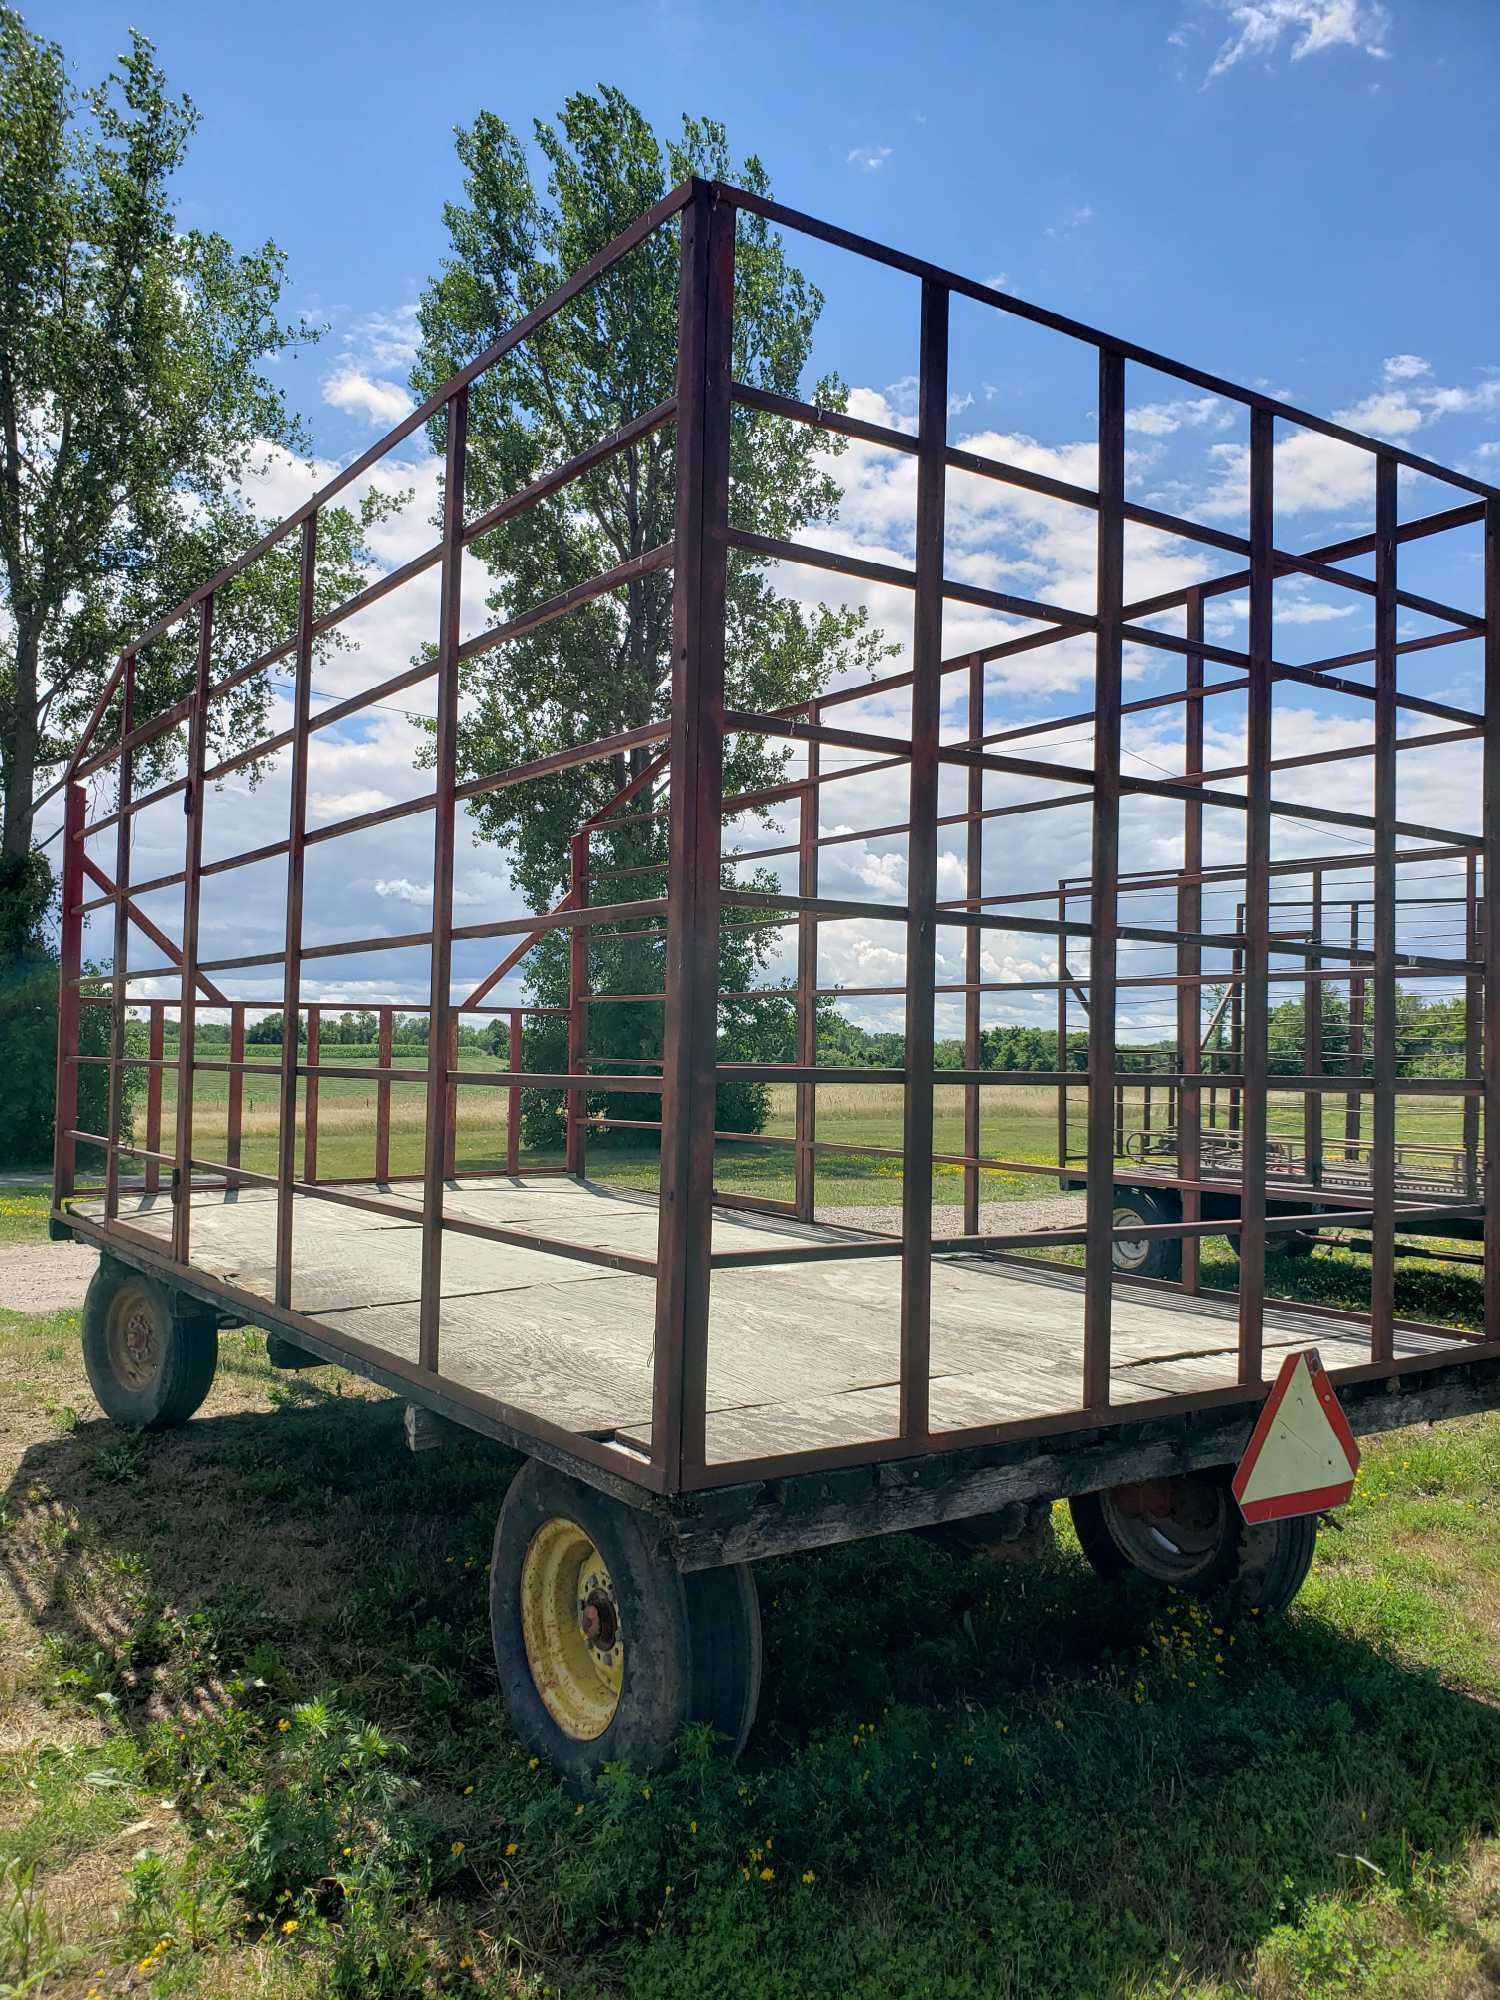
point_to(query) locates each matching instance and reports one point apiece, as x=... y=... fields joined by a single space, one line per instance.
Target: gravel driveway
x=45 y=1277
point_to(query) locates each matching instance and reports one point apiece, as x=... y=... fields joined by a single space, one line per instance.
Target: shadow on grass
x=1000 y=1779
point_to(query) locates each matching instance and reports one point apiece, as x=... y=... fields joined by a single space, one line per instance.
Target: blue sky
x=1296 y=194
x=1291 y=217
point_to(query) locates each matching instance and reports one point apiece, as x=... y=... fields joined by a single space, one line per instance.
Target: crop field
x=251 y=1744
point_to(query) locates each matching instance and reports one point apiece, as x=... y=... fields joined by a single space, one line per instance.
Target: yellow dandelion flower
x=808 y=1876
x=283 y=1725
x=692 y=1826
x=532 y=1762
x=768 y=1874
x=467 y=1790
x=289 y=1926
x=457 y=1847
x=510 y=1847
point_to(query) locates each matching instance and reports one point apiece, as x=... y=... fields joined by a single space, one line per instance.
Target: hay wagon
x=701 y=1375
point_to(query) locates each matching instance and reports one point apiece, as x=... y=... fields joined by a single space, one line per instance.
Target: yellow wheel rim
x=570 y=1623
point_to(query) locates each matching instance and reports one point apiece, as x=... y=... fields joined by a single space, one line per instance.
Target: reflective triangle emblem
x=1302 y=1456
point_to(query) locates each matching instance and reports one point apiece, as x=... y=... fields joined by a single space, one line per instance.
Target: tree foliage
x=601 y=361
x=134 y=413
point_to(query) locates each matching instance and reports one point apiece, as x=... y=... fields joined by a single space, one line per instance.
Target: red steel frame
x=686 y=756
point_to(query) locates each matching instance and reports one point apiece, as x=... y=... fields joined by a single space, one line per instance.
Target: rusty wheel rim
x=133 y=1338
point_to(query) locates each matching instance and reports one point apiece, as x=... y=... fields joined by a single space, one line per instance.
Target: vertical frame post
x=806 y=1100
x=236 y=1127
x=1473 y=1024
x=291 y=982
x=445 y=808
x=1356 y=1056
x=973 y=956
x=695 y=765
x=187 y=1017
x=387 y=1033
x=1190 y=956
x=310 y=1095
x=125 y=766
x=578 y=986
x=450 y=1103
x=1062 y=1031
x=513 y=1098
x=921 y=868
x=156 y=1045
x=1104 y=883
x=1254 y=1009
x=69 y=996
x=1383 y=1041
x=1490 y=913
x=1312 y=1039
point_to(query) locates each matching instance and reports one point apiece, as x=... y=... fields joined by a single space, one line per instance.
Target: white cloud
x=1318 y=474
x=1260 y=26
x=382 y=402
x=869 y=159
x=1195 y=412
x=1074 y=219
x=385 y=341
x=403 y=891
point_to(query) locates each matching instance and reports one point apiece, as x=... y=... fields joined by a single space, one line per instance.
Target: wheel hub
x=1170 y=1528
x=1130 y=1252
x=570 y=1623
x=134 y=1339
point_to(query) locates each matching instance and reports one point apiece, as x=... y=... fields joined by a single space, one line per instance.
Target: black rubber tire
x=724 y=1632
x=1163 y=1254
x=692 y=1645
x=185 y=1344
x=1261 y=1568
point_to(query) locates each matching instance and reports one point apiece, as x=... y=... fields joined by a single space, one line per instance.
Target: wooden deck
x=799 y=1355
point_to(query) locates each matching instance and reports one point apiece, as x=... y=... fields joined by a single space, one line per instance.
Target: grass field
x=1018 y=1123
x=250 y=1742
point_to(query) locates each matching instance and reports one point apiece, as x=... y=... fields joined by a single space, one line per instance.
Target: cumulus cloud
x=381 y=402
x=869 y=159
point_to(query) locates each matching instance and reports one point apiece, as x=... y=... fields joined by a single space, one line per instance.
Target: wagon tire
x=150 y=1357
x=604 y=1652
x=724 y=1629
x=1188 y=1533
x=1151 y=1257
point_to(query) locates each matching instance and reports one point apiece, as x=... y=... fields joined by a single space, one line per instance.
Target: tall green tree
x=134 y=412
x=606 y=667
x=134 y=408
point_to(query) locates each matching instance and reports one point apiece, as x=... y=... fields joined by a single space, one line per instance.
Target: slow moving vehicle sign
x=1302 y=1456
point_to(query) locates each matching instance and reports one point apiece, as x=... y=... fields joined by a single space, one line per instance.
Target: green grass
x=1018 y=1124
x=23 y=1212
x=250 y=1744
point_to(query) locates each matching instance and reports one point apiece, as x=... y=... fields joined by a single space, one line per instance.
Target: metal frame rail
x=678 y=779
